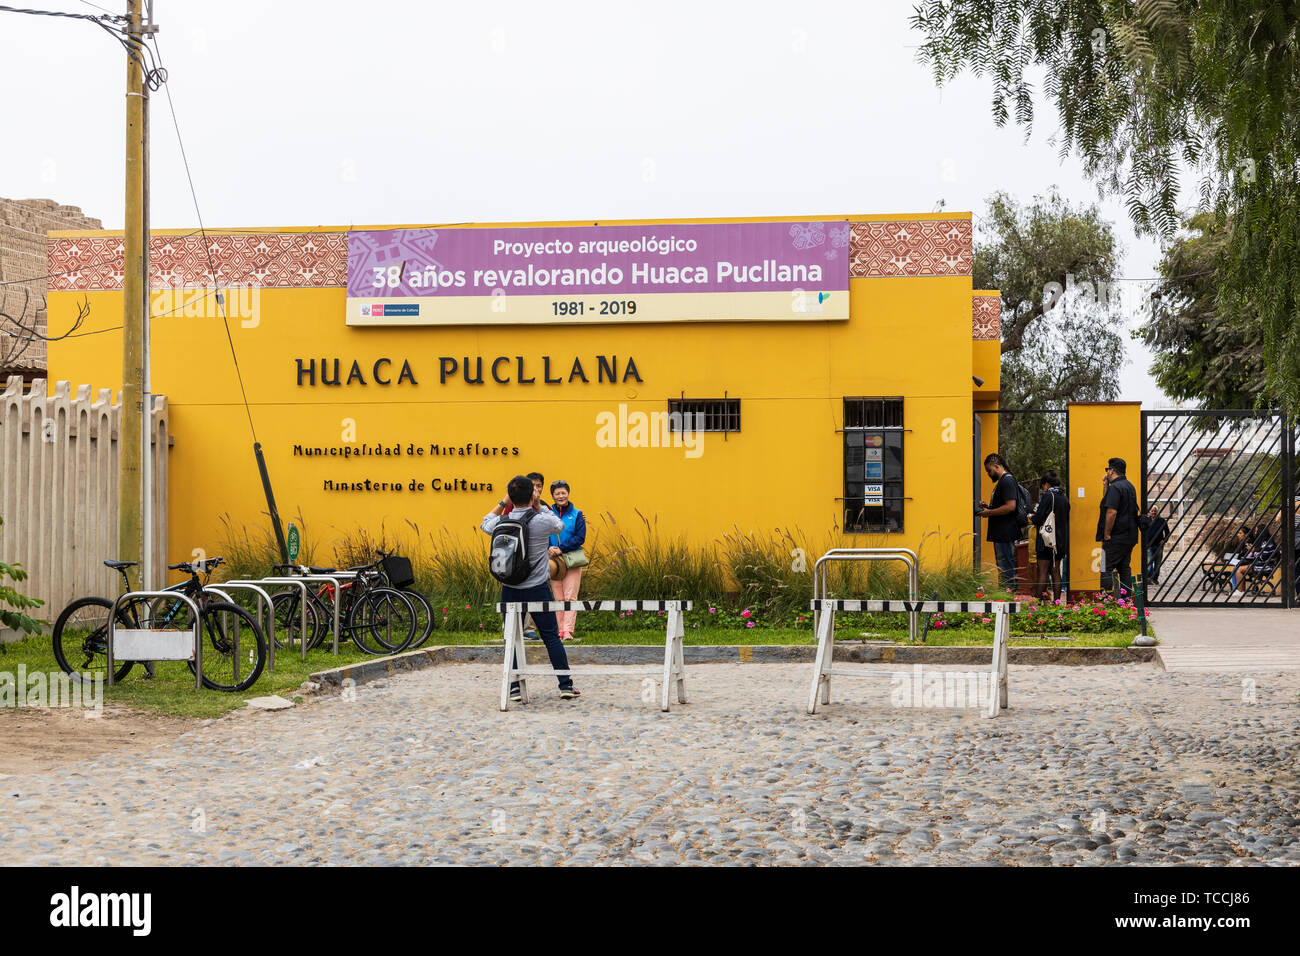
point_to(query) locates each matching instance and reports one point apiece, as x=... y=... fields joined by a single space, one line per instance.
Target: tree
x=1147 y=90
x=14 y=605
x=1203 y=352
x=1054 y=265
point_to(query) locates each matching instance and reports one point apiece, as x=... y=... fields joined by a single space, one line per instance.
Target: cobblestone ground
x=1091 y=765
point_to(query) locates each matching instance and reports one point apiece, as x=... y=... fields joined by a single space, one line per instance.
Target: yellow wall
x=1099 y=431
x=907 y=337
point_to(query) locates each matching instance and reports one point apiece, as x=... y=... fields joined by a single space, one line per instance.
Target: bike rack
x=302 y=607
x=336 y=579
x=906 y=555
x=263 y=602
x=149 y=653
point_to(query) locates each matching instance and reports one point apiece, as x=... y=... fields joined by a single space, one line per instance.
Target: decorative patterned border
x=920 y=248
x=273 y=260
x=287 y=260
x=986 y=317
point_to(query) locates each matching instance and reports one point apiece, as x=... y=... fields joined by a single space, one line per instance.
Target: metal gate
x=1226 y=483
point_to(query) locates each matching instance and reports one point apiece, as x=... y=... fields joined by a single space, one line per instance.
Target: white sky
x=331 y=113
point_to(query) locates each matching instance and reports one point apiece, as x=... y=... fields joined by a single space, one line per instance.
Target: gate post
x=1287 y=530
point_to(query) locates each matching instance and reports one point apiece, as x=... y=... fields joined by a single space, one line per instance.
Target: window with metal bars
x=873 y=465
x=704 y=414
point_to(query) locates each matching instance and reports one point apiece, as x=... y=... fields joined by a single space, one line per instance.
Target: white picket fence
x=58 y=490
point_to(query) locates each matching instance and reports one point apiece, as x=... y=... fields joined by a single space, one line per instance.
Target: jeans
x=545 y=621
x=1116 y=571
x=1154 y=556
x=1004 y=552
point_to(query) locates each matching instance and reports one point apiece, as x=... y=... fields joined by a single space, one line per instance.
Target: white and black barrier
x=513 y=631
x=823 y=670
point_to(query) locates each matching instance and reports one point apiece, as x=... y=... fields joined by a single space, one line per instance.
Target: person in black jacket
x=1051 y=500
x=1155 y=536
x=1119 y=527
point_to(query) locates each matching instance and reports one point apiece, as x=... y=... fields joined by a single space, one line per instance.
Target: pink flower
x=984 y=619
x=713 y=610
x=745 y=613
x=750 y=624
x=467 y=607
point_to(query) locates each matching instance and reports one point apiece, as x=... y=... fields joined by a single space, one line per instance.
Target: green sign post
x=293 y=543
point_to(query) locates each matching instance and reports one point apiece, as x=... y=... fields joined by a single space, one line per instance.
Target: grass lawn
x=172 y=692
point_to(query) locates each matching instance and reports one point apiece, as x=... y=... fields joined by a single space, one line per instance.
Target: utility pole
x=148 y=573
x=134 y=288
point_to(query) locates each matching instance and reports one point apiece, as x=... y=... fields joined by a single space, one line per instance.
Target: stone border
x=380 y=667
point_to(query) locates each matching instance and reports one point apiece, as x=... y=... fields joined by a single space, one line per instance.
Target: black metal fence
x=1226 y=483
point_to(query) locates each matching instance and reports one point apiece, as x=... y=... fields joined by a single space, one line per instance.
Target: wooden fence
x=58 y=490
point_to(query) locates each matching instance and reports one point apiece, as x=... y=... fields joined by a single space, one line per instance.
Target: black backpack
x=508 y=559
x=1022 y=505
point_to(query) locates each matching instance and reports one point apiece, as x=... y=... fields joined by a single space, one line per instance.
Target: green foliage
x=1053 y=264
x=1145 y=90
x=12 y=603
x=1205 y=353
x=252 y=553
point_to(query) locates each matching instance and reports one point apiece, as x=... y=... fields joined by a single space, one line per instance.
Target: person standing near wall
x=1119 y=527
x=567 y=545
x=1003 y=530
x=1051 y=501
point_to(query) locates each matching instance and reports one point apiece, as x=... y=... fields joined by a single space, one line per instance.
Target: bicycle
x=378 y=619
x=81 y=631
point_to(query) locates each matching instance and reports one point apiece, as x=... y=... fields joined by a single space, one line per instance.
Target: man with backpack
x=1119 y=527
x=520 y=545
x=1008 y=513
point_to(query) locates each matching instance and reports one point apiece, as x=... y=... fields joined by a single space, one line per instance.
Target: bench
x=823 y=668
x=673 y=669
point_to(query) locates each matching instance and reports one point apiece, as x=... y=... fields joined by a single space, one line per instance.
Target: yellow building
x=847 y=415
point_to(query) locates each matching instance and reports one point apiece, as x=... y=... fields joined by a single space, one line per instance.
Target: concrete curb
x=381 y=667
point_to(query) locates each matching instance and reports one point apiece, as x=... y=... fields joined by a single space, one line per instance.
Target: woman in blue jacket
x=567 y=544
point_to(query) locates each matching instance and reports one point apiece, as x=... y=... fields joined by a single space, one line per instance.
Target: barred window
x=873 y=464
x=704 y=414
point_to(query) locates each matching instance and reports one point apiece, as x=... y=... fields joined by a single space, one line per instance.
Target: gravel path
x=1091 y=765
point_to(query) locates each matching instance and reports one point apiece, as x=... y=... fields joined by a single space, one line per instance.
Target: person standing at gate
x=1003 y=530
x=567 y=545
x=1051 y=502
x=1155 y=536
x=539 y=526
x=1120 y=527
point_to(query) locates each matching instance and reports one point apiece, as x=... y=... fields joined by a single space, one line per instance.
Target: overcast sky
x=324 y=113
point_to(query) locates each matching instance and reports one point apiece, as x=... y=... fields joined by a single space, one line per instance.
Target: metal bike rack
x=263 y=602
x=906 y=555
x=151 y=654
x=302 y=585
x=336 y=579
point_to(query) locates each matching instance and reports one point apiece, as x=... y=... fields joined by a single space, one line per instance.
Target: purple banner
x=623 y=260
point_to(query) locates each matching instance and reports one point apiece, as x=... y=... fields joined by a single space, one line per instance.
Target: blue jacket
x=575 y=529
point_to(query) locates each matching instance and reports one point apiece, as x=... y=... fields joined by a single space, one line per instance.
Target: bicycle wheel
x=423 y=617
x=288 y=621
x=234 y=650
x=382 y=621
x=81 y=638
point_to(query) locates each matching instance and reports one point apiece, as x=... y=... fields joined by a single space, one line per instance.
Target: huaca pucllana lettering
x=472 y=369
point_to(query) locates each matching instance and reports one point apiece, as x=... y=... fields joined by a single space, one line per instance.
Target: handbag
x=577 y=558
x=557 y=566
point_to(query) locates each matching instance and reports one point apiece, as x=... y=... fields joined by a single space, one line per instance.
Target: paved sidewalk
x=1228 y=640
x=1090 y=765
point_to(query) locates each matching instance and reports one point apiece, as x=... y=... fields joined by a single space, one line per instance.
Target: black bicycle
x=234 y=650
x=377 y=618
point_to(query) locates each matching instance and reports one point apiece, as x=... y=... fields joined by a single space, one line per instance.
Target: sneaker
x=516 y=695
x=531 y=635
x=568 y=693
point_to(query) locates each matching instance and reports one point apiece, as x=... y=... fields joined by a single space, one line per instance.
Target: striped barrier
x=822 y=666
x=513 y=631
